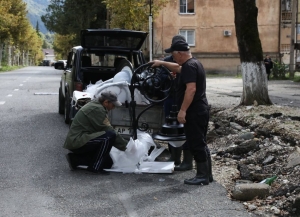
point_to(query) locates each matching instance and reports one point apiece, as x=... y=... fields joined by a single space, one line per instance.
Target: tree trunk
x=9 y=55
x=1 y=51
x=255 y=83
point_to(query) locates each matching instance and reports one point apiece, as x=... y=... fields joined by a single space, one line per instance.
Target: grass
x=297 y=77
x=9 y=68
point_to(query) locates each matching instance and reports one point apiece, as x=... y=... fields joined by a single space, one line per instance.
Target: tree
x=71 y=16
x=37 y=29
x=255 y=83
x=16 y=33
x=53 y=19
x=62 y=45
x=6 y=18
x=133 y=14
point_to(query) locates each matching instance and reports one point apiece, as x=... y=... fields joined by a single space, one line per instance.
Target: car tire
x=61 y=102
x=67 y=108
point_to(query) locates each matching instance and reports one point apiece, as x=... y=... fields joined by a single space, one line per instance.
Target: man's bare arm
x=188 y=96
x=173 y=67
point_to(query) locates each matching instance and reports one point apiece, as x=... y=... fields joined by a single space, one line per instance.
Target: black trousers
x=95 y=153
x=195 y=128
x=268 y=70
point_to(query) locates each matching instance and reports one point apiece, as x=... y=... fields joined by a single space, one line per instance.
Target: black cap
x=175 y=39
x=178 y=38
x=111 y=97
x=178 y=46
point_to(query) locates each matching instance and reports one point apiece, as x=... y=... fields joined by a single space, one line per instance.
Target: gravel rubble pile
x=252 y=143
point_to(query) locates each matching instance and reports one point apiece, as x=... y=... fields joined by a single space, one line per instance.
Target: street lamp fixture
x=155 y=84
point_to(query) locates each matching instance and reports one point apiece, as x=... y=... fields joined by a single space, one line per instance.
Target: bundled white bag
x=135 y=154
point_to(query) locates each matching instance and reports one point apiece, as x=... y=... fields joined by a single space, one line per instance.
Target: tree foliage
x=37 y=29
x=66 y=17
x=6 y=19
x=17 y=33
x=62 y=45
x=133 y=14
x=16 y=30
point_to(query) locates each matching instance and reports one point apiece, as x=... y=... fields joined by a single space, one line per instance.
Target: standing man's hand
x=181 y=117
x=156 y=63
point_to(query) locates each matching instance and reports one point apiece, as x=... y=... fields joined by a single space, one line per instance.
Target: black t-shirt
x=173 y=91
x=193 y=71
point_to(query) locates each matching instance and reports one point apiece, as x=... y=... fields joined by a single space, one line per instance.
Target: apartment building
x=209 y=28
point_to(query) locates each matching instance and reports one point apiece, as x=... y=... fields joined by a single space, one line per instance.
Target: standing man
x=194 y=109
x=187 y=161
x=269 y=65
x=91 y=136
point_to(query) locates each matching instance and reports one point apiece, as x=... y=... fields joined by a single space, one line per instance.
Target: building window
x=285 y=48
x=189 y=35
x=187 y=6
x=286 y=5
x=298 y=29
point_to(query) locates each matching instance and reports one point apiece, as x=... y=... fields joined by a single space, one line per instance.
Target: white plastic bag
x=136 y=152
x=131 y=157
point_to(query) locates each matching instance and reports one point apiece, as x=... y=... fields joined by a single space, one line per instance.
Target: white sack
x=135 y=154
x=118 y=84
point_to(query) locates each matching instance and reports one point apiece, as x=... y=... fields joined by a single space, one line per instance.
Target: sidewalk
x=226 y=92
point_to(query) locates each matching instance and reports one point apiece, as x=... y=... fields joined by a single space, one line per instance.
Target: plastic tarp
x=136 y=158
x=119 y=84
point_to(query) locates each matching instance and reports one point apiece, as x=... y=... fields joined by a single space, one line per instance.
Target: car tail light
x=78 y=86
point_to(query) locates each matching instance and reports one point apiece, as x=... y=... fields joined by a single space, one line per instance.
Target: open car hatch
x=112 y=39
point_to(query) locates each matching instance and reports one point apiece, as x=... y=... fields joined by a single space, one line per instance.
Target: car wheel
x=67 y=108
x=61 y=105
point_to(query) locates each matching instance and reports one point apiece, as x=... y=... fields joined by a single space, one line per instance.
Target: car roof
x=113 y=39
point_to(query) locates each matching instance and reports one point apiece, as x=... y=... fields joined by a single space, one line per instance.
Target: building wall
x=217 y=52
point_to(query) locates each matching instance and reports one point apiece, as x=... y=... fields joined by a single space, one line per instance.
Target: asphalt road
x=35 y=179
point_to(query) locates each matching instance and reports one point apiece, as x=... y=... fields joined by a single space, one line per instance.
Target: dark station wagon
x=102 y=54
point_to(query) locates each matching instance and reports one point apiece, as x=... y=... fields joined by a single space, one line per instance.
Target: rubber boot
x=175 y=154
x=201 y=177
x=210 y=176
x=187 y=162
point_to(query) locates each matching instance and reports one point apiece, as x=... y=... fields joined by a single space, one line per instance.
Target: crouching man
x=91 y=136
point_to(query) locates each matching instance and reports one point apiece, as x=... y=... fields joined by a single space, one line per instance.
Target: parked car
x=102 y=54
x=46 y=62
x=60 y=64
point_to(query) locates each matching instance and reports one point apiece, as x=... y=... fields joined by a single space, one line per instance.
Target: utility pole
x=292 y=46
x=150 y=32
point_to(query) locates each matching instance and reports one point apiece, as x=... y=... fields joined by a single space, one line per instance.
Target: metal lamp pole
x=292 y=49
x=150 y=32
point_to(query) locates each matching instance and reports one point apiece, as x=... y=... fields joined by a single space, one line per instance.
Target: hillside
x=37 y=8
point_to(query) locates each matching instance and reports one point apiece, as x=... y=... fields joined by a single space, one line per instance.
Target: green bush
x=297 y=77
x=279 y=70
x=9 y=68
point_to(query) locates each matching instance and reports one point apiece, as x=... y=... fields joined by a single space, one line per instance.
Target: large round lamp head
x=172 y=130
